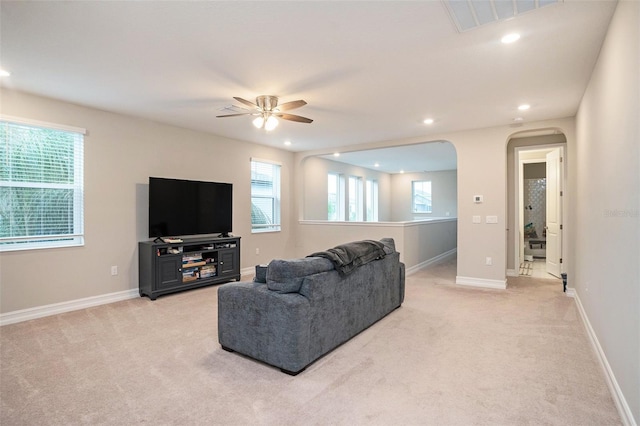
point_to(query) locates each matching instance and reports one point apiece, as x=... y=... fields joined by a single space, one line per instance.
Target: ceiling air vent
x=469 y=14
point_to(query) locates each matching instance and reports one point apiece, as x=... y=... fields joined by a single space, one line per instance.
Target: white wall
x=120 y=154
x=606 y=271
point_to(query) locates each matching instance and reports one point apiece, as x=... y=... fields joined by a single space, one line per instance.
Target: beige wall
x=315 y=171
x=444 y=195
x=120 y=154
x=606 y=271
x=394 y=190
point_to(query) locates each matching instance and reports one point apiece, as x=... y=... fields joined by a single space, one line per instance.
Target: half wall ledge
x=420 y=242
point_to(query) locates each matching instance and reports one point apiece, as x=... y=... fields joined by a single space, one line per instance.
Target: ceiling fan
x=267 y=109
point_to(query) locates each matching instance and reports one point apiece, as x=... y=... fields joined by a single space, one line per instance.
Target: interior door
x=554 y=212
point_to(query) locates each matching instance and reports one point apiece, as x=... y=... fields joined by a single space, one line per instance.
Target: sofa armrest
x=264 y=324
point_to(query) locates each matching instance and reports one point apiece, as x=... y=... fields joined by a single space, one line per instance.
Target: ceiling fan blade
x=293 y=117
x=291 y=105
x=246 y=102
x=235 y=115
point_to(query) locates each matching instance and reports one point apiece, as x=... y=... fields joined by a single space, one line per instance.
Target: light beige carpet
x=449 y=356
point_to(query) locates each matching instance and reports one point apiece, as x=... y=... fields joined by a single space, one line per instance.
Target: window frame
x=339 y=193
x=275 y=196
x=50 y=241
x=355 y=197
x=371 y=207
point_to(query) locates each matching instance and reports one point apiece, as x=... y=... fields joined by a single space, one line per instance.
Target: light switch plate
x=476 y=219
x=491 y=219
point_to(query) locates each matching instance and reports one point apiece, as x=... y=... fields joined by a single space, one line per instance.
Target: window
x=41 y=185
x=421 y=196
x=371 y=200
x=265 y=196
x=334 y=204
x=355 y=198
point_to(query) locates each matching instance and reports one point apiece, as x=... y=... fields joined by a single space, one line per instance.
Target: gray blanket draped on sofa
x=347 y=257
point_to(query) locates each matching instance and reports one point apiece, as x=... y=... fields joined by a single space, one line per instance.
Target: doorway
x=531 y=146
x=538 y=219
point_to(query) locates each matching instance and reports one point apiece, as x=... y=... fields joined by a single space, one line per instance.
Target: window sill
x=265 y=231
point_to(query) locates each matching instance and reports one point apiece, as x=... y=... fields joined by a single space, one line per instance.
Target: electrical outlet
x=488 y=261
x=257 y=250
x=114 y=270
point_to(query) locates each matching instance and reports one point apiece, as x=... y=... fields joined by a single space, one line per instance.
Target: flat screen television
x=180 y=207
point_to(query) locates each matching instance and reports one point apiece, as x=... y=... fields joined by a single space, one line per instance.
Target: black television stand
x=166 y=268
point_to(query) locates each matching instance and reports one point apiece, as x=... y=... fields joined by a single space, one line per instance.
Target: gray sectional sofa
x=307 y=307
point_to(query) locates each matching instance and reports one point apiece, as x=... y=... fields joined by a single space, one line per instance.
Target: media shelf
x=166 y=268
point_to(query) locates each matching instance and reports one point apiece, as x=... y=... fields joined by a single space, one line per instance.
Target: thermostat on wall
x=477 y=198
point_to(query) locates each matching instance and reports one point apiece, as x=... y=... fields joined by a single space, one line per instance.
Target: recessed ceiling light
x=428 y=121
x=376 y=165
x=524 y=107
x=336 y=154
x=401 y=171
x=4 y=73
x=510 y=38
x=287 y=143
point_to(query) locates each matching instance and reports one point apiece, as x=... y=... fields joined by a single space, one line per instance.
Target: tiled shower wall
x=535 y=203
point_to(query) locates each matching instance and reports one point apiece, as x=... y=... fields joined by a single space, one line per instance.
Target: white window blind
x=41 y=186
x=265 y=196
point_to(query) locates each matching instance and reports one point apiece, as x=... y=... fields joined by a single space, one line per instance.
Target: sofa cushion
x=286 y=276
x=261 y=274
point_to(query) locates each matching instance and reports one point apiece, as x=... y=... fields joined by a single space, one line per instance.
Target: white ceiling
x=370 y=71
x=434 y=156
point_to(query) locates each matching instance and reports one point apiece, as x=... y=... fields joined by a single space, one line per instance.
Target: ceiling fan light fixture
x=258 y=122
x=267 y=111
x=271 y=123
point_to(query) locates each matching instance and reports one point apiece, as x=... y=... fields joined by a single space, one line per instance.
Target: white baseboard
x=513 y=273
x=250 y=271
x=430 y=262
x=481 y=282
x=618 y=397
x=72 y=305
